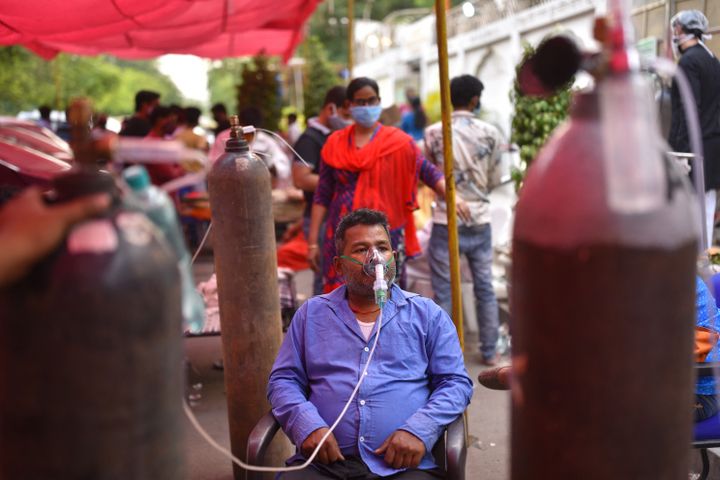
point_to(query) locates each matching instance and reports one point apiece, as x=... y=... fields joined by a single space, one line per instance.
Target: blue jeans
x=475 y=243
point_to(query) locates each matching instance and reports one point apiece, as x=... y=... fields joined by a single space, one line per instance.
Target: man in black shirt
x=139 y=124
x=702 y=68
x=219 y=113
x=333 y=116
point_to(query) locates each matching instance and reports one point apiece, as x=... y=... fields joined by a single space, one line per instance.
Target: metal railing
x=486 y=12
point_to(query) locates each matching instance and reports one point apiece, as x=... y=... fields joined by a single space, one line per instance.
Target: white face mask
x=677 y=41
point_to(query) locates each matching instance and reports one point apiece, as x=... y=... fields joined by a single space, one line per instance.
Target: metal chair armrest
x=456 y=449
x=259 y=440
x=707 y=369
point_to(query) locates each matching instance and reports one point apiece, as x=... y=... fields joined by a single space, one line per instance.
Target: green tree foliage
x=535 y=119
x=327 y=21
x=29 y=81
x=259 y=88
x=223 y=79
x=319 y=76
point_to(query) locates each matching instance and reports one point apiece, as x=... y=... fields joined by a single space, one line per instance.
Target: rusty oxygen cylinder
x=246 y=269
x=604 y=248
x=90 y=352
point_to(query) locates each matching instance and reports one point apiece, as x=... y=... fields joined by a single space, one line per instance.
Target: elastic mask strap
x=351 y=259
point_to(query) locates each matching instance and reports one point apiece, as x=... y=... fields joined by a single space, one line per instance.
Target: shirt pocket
x=402 y=355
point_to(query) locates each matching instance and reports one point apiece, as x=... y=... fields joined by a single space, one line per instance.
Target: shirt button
x=362 y=402
x=362 y=439
x=366 y=349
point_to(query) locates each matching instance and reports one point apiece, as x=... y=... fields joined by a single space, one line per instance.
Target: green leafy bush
x=259 y=87
x=535 y=119
x=319 y=76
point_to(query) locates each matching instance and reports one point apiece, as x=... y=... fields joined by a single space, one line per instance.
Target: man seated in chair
x=707 y=316
x=415 y=386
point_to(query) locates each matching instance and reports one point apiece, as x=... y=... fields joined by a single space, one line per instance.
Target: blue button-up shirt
x=707 y=316
x=416 y=380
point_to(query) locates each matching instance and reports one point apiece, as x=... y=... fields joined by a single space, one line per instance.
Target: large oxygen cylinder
x=604 y=248
x=246 y=269
x=91 y=379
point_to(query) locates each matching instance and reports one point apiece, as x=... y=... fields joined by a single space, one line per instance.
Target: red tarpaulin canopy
x=150 y=28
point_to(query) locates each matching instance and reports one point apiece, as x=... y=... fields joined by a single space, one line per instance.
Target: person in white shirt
x=477 y=170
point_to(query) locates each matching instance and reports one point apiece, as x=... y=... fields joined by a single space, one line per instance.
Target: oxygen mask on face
x=373 y=258
x=382 y=269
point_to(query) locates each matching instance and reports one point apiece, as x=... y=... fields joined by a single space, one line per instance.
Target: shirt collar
x=315 y=123
x=337 y=297
x=463 y=113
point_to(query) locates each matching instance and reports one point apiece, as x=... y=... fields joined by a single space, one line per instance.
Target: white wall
x=489 y=52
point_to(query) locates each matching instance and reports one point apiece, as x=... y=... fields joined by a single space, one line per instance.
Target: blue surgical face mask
x=367 y=115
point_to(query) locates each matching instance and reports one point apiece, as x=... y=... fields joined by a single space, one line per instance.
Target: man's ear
x=337 y=263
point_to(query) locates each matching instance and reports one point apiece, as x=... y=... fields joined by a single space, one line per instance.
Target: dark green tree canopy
x=29 y=81
x=259 y=87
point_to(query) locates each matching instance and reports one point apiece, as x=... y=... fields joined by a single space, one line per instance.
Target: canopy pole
x=441 y=26
x=351 y=38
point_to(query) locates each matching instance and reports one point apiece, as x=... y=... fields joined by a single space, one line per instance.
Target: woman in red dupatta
x=368 y=165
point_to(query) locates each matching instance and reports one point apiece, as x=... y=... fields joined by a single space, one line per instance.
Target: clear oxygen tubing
x=286 y=143
x=381 y=290
x=194 y=178
x=668 y=68
x=145 y=152
x=258 y=468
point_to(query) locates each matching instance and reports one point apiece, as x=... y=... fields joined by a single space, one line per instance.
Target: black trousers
x=353 y=468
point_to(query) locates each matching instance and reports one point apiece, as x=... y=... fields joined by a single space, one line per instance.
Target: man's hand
x=402 y=450
x=329 y=452
x=463 y=211
x=313 y=257
x=29 y=229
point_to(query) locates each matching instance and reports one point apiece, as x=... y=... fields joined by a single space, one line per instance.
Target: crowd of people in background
x=354 y=154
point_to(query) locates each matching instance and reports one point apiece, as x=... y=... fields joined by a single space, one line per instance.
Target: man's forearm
x=297 y=416
x=316 y=217
x=447 y=401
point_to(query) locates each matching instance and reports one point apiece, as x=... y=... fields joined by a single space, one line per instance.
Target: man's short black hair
x=160 y=112
x=292 y=117
x=145 y=96
x=251 y=116
x=192 y=115
x=463 y=89
x=362 y=216
x=44 y=112
x=219 y=108
x=335 y=95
